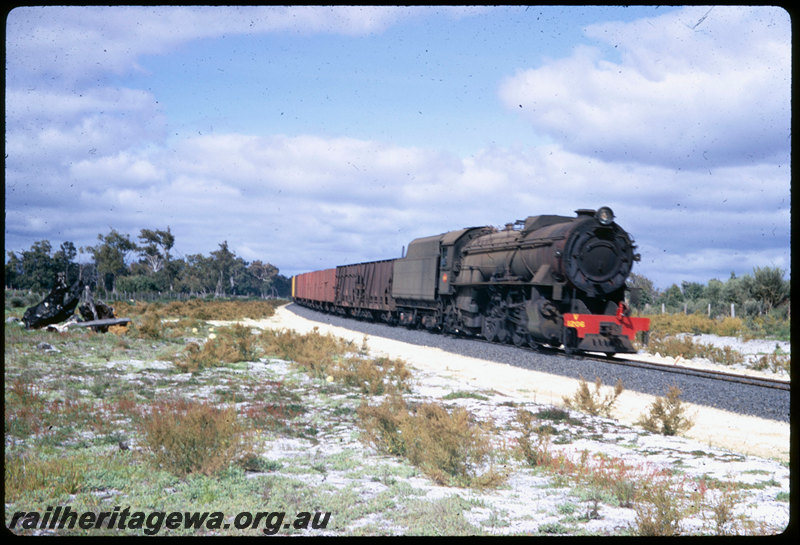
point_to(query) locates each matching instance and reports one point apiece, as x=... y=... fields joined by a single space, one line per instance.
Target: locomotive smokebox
x=589 y=252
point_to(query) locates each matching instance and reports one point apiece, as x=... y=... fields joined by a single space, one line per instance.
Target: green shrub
x=465 y=394
x=537 y=454
x=775 y=324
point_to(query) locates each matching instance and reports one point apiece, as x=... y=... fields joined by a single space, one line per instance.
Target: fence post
x=733 y=311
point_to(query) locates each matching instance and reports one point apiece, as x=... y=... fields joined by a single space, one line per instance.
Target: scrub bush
x=313 y=351
x=593 y=402
x=227 y=345
x=192 y=437
x=445 y=445
x=667 y=415
x=372 y=376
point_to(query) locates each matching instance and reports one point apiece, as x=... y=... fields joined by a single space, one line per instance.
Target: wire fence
x=29 y=298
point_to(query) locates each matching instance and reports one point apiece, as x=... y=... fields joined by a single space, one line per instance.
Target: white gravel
x=748 y=347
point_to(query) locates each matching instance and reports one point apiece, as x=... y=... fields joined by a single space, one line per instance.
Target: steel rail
x=620 y=359
x=713 y=374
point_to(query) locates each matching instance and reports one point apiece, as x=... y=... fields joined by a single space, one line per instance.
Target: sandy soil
x=744 y=434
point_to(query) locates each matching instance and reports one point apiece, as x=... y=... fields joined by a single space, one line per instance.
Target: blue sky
x=314 y=136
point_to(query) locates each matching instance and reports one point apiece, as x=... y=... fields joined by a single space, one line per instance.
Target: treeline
x=765 y=292
x=119 y=264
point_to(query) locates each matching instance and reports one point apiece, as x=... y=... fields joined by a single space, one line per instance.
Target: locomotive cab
x=426 y=274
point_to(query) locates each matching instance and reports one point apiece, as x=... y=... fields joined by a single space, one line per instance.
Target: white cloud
x=59 y=127
x=123 y=168
x=679 y=96
x=74 y=43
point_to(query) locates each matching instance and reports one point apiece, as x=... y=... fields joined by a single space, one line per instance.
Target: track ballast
x=738 y=396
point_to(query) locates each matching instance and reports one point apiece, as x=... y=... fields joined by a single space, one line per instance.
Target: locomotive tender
x=548 y=280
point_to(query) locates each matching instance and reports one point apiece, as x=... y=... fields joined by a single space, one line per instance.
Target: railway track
x=713 y=374
x=630 y=360
x=730 y=391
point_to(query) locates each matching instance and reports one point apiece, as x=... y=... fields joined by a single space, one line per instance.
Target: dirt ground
x=744 y=434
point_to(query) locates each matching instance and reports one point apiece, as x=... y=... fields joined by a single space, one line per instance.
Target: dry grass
x=534 y=453
x=63 y=434
x=201 y=309
x=272 y=406
x=659 y=511
x=313 y=351
x=774 y=362
x=61 y=475
x=327 y=356
x=373 y=376
x=672 y=324
x=30 y=413
x=661 y=499
x=149 y=326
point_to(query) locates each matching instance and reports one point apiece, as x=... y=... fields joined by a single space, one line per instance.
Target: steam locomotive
x=544 y=281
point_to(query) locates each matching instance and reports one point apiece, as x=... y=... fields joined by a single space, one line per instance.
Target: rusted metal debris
x=56 y=311
x=57 y=307
x=95 y=314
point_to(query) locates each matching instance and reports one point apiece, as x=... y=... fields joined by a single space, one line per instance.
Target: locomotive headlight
x=604 y=215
